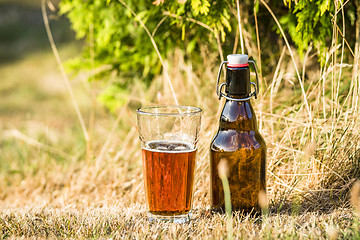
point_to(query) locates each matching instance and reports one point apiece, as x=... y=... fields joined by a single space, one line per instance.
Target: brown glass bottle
x=240 y=144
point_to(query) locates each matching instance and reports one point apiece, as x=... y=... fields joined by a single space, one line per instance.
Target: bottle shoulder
x=232 y=140
x=238 y=116
x=237 y=111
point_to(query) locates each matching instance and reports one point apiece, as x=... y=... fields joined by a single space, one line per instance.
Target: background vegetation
x=65 y=173
x=117 y=47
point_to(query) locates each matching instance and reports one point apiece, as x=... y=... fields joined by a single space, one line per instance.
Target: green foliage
x=310 y=22
x=113 y=97
x=200 y=7
x=116 y=39
x=111 y=39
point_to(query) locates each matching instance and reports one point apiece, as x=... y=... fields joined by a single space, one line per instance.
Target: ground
x=53 y=184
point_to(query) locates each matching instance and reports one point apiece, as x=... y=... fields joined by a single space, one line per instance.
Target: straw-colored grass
x=131 y=223
x=50 y=186
x=49 y=190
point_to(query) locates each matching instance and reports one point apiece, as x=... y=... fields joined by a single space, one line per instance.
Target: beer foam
x=169 y=146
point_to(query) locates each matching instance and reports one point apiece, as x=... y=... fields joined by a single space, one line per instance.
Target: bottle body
x=240 y=144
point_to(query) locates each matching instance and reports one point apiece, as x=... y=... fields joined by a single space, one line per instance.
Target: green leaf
x=191 y=46
x=113 y=97
x=201 y=7
x=183 y=33
x=324 y=6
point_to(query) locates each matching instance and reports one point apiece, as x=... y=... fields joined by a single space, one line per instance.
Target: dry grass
x=45 y=194
x=49 y=189
x=131 y=223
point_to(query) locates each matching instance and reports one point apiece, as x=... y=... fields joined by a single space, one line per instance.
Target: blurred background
x=70 y=158
x=307 y=108
x=35 y=108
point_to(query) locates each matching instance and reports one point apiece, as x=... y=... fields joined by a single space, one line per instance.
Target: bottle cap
x=237 y=60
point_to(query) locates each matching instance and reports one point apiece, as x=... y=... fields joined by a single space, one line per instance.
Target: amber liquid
x=168 y=176
x=240 y=144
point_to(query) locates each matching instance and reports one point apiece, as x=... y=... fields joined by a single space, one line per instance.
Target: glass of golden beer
x=169 y=135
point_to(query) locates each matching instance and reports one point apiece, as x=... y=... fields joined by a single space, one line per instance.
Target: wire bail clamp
x=220 y=94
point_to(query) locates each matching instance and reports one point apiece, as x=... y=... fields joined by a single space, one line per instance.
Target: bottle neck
x=238 y=81
x=238 y=115
x=238 y=96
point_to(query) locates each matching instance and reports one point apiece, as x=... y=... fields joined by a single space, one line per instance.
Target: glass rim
x=190 y=110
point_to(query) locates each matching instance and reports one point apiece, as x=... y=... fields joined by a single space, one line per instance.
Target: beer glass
x=169 y=135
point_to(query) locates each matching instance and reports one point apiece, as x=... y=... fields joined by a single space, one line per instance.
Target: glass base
x=181 y=219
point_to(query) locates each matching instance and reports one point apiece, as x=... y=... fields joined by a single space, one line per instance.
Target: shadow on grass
x=344 y=164
x=322 y=202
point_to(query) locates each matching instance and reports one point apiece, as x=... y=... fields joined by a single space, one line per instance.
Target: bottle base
x=252 y=212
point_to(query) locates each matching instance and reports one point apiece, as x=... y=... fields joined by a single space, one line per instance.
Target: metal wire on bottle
x=220 y=94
